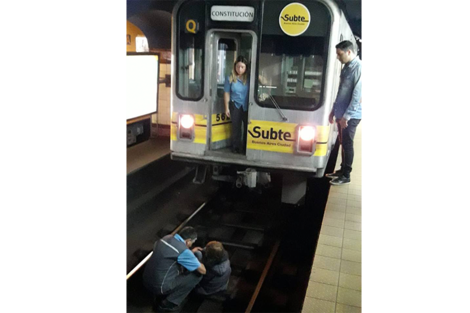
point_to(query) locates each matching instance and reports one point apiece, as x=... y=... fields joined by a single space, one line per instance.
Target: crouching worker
x=217 y=263
x=164 y=274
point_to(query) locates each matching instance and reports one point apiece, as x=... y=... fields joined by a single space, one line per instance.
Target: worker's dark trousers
x=182 y=286
x=238 y=116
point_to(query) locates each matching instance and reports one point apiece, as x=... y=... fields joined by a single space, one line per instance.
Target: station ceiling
x=151 y=15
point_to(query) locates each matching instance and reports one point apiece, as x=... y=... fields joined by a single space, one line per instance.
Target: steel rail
x=263 y=276
x=175 y=231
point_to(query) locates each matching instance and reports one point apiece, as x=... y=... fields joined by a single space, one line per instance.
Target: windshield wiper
x=284 y=118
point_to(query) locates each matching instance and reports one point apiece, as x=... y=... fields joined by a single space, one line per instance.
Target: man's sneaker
x=340 y=181
x=335 y=174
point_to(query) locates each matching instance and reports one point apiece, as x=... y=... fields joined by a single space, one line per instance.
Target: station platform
x=146 y=152
x=335 y=279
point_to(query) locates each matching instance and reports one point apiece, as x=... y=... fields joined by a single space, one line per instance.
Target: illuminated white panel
x=141 y=44
x=142 y=85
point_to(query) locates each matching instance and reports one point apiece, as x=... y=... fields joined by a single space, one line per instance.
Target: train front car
x=294 y=76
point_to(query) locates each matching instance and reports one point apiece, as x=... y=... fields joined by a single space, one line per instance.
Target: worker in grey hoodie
x=215 y=258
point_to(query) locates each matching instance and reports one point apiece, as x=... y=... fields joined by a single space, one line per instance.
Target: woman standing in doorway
x=236 y=101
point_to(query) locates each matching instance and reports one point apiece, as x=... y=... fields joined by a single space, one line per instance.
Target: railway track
x=245 y=223
x=159 y=198
x=271 y=247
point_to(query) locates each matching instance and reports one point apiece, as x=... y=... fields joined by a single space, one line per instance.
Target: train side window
x=190 y=49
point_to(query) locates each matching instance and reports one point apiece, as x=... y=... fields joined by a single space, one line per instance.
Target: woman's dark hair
x=233 y=76
x=242 y=59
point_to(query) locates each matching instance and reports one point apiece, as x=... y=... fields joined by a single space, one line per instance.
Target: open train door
x=226 y=47
x=224 y=52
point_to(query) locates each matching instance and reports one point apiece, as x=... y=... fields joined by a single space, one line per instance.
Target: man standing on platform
x=347 y=109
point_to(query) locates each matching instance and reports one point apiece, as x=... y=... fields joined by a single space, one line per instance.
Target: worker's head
x=240 y=70
x=214 y=252
x=189 y=235
x=241 y=65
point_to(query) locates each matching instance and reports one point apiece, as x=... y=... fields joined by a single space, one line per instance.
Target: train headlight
x=305 y=143
x=186 y=127
x=307 y=133
x=187 y=121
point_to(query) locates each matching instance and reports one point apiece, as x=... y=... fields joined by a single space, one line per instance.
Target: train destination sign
x=232 y=13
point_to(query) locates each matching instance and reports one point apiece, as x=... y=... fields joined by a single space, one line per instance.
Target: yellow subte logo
x=294 y=19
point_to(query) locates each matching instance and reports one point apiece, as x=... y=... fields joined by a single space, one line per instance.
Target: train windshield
x=291 y=68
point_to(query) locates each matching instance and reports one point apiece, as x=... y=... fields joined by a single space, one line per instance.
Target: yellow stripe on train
x=281 y=137
x=174 y=130
x=199 y=119
x=323 y=132
x=200 y=134
x=221 y=132
x=271 y=136
x=321 y=149
x=221 y=127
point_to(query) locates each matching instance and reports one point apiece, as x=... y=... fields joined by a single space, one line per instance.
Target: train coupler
x=250 y=178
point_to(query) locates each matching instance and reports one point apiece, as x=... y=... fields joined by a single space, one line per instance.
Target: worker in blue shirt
x=347 y=109
x=236 y=101
x=164 y=272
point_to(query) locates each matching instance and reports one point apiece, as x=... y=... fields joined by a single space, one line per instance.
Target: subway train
x=290 y=46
